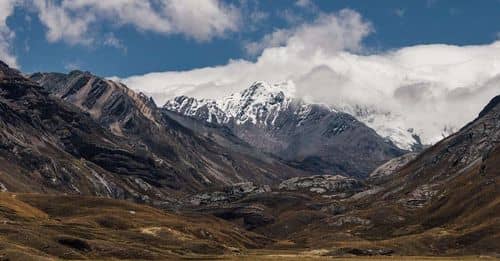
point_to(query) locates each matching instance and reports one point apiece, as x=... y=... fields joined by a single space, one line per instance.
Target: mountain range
x=313 y=137
x=90 y=169
x=97 y=137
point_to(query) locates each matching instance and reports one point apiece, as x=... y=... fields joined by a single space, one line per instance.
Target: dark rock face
x=112 y=104
x=312 y=137
x=361 y=251
x=47 y=145
x=253 y=215
x=75 y=243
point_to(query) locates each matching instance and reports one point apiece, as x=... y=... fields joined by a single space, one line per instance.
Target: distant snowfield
x=428 y=90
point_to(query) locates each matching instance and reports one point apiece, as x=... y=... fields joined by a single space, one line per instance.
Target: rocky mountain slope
x=137 y=119
x=113 y=143
x=48 y=145
x=312 y=136
x=449 y=193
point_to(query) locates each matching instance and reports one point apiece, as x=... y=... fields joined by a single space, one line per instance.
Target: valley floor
x=318 y=255
x=54 y=227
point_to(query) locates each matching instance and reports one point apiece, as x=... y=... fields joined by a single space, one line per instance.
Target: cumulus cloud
x=426 y=87
x=63 y=24
x=6 y=34
x=73 y=21
x=201 y=19
x=328 y=33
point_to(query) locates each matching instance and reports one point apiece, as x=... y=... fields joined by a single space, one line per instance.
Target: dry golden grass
x=47 y=227
x=37 y=227
x=318 y=255
x=9 y=201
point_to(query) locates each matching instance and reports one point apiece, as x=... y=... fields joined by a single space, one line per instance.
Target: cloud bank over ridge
x=434 y=88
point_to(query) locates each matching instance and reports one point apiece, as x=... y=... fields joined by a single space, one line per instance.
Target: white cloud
x=112 y=41
x=76 y=21
x=63 y=24
x=307 y=4
x=6 y=34
x=202 y=20
x=328 y=33
x=277 y=38
x=430 y=86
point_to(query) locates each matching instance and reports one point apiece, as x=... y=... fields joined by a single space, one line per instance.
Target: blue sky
x=135 y=51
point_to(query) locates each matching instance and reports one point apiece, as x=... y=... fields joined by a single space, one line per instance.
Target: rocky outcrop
x=419 y=197
x=323 y=184
x=228 y=194
x=392 y=165
x=253 y=215
x=225 y=203
x=347 y=220
x=360 y=251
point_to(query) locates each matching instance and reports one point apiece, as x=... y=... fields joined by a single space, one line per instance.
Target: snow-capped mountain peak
x=263 y=91
x=258 y=104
